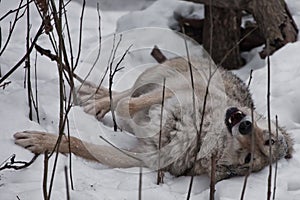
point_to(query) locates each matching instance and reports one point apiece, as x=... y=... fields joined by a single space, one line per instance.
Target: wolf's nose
x=245 y=127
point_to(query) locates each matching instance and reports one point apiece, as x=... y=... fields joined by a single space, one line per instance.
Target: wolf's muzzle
x=235 y=117
x=245 y=127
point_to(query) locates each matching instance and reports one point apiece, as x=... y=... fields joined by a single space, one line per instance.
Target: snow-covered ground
x=95 y=181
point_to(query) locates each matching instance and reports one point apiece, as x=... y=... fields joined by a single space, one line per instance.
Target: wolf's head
x=252 y=139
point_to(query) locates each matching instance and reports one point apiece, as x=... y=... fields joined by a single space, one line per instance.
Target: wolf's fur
x=138 y=110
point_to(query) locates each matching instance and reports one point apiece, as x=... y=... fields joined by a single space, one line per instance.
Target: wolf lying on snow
x=138 y=110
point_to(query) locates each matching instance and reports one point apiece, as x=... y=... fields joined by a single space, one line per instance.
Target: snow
x=95 y=181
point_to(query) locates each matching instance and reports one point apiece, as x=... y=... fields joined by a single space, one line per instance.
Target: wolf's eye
x=248 y=158
x=268 y=142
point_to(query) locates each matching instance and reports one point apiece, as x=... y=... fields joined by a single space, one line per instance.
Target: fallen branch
x=3 y=86
x=158 y=55
x=11 y=163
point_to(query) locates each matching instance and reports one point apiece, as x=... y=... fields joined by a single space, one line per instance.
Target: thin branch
x=67 y=183
x=69 y=39
x=199 y=132
x=276 y=163
x=159 y=171
x=68 y=107
x=12 y=27
x=250 y=78
x=235 y=46
x=70 y=156
x=194 y=110
x=140 y=183
x=14 y=68
x=3 y=86
x=64 y=56
x=112 y=73
x=80 y=34
x=269 y=121
x=27 y=62
x=36 y=104
x=61 y=125
x=213 y=177
x=55 y=58
x=11 y=163
x=252 y=156
x=45 y=176
x=121 y=150
x=13 y=11
x=98 y=54
x=0 y=40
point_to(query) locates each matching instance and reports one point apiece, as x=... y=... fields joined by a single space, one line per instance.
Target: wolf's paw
x=98 y=108
x=35 y=141
x=89 y=91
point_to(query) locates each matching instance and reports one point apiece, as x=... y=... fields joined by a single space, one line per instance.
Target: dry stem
x=160 y=175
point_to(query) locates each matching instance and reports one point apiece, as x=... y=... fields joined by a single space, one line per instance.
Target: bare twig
x=98 y=54
x=276 y=163
x=112 y=73
x=58 y=26
x=117 y=148
x=3 y=86
x=140 y=183
x=213 y=177
x=45 y=176
x=250 y=78
x=27 y=63
x=0 y=41
x=80 y=34
x=235 y=46
x=12 y=26
x=14 y=68
x=69 y=39
x=70 y=153
x=194 y=110
x=64 y=55
x=11 y=163
x=67 y=183
x=159 y=171
x=55 y=58
x=251 y=158
x=198 y=144
x=13 y=11
x=269 y=121
x=36 y=105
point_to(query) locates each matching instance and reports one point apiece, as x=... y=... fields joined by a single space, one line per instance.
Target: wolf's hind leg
x=40 y=142
x=127 y=107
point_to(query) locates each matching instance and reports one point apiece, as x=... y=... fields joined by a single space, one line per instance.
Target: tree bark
x=222 y=42
x=272 y=16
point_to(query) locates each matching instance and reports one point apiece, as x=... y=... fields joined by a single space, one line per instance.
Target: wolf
x=183 y=113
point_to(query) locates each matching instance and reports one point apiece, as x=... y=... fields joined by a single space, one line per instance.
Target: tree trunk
x=272 y=16
x=222 y=42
